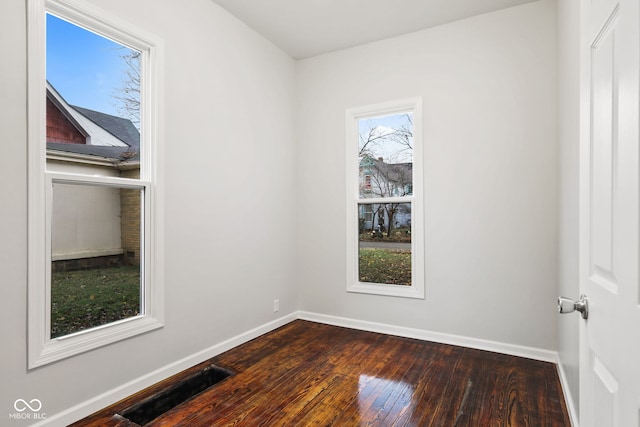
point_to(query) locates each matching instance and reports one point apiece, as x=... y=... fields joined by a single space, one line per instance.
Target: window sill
x=387 y=290
x=80 y=342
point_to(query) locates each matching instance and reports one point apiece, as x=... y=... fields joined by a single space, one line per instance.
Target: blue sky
x=387 y=149
x=86 y=69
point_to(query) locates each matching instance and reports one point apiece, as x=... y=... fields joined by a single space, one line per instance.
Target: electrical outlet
x=276 y=305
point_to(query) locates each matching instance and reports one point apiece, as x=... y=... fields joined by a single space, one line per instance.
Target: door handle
x=567 y=305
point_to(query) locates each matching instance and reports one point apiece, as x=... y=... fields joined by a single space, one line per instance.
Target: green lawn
x=85 y=299
x=392 y=266
x=397 y=235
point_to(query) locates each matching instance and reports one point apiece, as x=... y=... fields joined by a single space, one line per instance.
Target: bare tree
x=402 y=137
x=390 y=176
x=389 y=180
x=128 y=95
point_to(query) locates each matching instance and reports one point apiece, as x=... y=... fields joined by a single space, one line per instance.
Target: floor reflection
x=381 y=398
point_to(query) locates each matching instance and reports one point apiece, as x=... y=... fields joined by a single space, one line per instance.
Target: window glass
x=385 y=154
x=91 y=73
x=95 y=198
x=93 y=119
x=385 y=242
x=385 y=151
x=95 y=273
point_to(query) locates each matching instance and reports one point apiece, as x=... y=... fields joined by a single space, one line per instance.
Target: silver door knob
x=567 y=305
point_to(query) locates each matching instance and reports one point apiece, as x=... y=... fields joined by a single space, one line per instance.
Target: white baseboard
x=110 y=397
x=103 y=400
x=568 y=398
x=498 y=347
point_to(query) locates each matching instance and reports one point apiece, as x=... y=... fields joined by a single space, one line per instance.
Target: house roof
x=121 y=128
x=118 y=154
x=395 y=172
x=109 y=137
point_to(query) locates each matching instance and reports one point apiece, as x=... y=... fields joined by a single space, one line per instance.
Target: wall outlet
x=276 y=305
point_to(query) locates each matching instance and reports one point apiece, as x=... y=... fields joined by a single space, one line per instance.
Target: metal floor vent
x=152 y=407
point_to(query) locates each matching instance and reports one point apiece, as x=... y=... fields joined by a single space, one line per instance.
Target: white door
x=609 y=220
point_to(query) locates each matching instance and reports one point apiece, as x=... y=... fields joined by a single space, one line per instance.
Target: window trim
x=353 y=115
x=41 y=348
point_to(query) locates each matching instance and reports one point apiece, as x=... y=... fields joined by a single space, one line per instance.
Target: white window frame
x=353 y=115
x=41 y=348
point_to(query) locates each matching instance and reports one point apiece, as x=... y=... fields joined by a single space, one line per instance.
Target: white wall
x=233 y=105
x=76 y=209
x=230 y=153
x=488 y=87
x=85 y=221
x=568 y=138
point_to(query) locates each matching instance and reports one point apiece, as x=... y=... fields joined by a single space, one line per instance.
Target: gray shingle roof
x=113 y=153
x=395 y=172
x=119 y=127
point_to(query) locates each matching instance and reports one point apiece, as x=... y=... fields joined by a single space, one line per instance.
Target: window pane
x=95 y=251
x=384 y=243
x=386 y=156
x=92 y=95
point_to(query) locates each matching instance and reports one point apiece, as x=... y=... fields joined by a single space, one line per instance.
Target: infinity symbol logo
x=21 y=405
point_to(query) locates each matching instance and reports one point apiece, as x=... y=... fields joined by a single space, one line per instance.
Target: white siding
x=85 y=221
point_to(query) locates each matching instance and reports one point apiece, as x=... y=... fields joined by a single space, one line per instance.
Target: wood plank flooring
x=310 y=374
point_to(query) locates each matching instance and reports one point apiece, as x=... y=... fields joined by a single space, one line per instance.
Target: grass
x=85 y=299
x=392 y=266
x=397 y=235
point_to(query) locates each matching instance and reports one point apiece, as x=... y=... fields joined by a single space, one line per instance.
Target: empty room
x=306 y=212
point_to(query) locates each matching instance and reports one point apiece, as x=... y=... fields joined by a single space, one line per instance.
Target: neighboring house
x=79 y=139
x=381 y=180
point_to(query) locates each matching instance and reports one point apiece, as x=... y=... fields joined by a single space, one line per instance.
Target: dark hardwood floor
x=310 y=374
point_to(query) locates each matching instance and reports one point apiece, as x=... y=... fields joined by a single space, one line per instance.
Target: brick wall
x=130 y=203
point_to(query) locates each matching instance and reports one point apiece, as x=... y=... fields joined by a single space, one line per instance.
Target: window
x=384 y=199
x=367 y=183
x=95 y=242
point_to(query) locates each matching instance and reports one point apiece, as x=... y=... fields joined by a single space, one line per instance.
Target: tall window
x=95 y=245
x=384 y=185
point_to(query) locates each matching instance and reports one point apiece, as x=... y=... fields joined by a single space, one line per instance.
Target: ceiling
x=305 y=28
